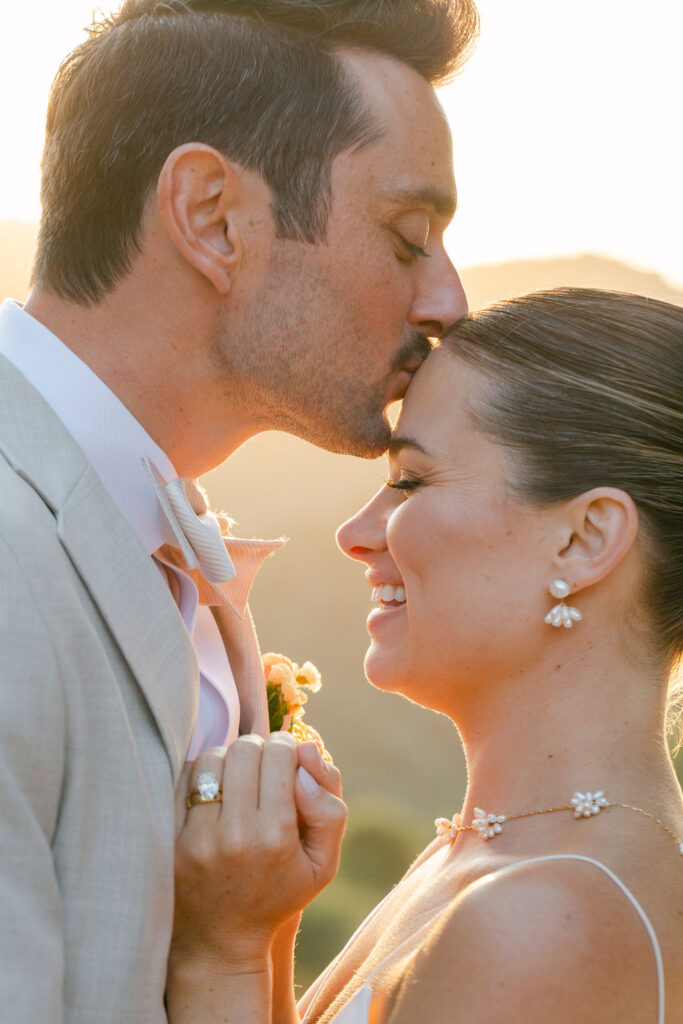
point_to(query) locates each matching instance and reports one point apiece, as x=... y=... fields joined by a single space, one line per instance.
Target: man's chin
x=366 y=437
x=358 y=447
x=365 y=434
x=362 y=443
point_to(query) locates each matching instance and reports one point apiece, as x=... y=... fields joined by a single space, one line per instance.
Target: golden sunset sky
x=566 y=126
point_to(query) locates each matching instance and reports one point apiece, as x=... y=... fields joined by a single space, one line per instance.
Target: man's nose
x=441 y=301
x=365 y=534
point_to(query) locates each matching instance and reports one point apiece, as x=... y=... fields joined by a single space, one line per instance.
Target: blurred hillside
x=491 y=283
x=402 y=765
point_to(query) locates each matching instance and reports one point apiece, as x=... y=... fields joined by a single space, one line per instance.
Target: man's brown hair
x=259 y=80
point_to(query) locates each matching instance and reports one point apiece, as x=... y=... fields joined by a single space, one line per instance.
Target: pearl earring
x=562 y=614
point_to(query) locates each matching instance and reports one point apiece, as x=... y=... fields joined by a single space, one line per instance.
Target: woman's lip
x=385 y=613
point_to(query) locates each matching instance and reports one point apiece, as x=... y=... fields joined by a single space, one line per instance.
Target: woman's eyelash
x=404 y=484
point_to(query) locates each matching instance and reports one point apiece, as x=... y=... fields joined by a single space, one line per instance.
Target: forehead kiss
x=435 y=414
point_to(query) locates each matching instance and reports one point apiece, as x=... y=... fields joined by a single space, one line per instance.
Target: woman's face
x=472 y=562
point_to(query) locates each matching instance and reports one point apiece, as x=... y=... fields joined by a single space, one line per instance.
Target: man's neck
x=151 y=362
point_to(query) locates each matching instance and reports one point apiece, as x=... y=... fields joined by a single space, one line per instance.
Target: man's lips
x=413 y=366
x=403 y=377
x=404 y=374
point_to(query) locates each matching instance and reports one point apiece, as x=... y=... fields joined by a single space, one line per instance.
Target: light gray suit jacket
x=98 y=694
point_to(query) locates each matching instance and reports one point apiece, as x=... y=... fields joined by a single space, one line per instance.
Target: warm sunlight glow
x=566 y=133
x=566 y=127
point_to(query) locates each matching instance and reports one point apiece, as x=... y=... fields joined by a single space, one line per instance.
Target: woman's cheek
x=406 y=527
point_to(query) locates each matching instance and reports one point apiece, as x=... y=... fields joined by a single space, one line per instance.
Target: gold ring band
x=195 y=797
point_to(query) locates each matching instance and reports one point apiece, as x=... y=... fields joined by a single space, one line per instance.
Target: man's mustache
x=413 y=350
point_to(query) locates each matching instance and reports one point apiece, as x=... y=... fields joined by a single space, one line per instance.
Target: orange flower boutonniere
x=288 y=686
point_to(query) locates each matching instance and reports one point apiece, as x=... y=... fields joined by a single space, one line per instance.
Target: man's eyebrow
x=444 y=203
x=399 y=442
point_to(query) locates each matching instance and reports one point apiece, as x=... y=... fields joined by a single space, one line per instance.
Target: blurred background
x=569 y=162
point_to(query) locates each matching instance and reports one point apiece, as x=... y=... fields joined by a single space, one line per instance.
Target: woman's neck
x=593 y=720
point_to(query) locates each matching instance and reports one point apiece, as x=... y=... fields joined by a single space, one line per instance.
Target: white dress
x=357 y=1010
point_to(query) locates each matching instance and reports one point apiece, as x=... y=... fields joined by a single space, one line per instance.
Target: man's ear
x=599 y=529
x=197 y=191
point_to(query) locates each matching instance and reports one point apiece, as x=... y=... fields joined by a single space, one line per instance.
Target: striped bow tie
x=223 y=567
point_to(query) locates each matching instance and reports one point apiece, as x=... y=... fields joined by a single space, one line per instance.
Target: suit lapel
x=137 y=604
x=122 y=579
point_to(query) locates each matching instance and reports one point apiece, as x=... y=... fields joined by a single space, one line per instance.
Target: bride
x=526 y=555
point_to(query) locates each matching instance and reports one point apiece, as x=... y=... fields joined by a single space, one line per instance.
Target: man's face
x=331 y=333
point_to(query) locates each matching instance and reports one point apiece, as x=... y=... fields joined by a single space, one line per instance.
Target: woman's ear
x=601 y=526
x=197 y=193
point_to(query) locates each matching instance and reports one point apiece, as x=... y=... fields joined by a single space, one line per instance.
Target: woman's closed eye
x=404 y=483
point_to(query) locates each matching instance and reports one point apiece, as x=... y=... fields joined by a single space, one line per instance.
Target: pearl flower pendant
x=447 y=828
x=587 y=804
x=488 y=825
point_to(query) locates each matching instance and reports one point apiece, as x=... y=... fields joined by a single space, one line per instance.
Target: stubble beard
x=335 y=414
x=347 y=423
x=363 y=431
x=344 y=428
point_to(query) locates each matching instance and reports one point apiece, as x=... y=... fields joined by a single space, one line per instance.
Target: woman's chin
x=384 y=671
x=420 y=683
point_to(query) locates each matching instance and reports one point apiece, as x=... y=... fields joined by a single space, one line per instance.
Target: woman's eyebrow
x=398 y=442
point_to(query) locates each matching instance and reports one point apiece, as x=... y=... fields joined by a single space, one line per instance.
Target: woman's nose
x=364 y=534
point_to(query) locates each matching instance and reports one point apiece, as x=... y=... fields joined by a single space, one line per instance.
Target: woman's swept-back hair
x=259 y=80
x=587 y=391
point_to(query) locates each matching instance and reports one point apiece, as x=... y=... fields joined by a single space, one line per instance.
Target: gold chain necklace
x=583 y=805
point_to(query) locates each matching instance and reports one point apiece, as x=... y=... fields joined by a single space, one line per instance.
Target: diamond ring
x=208 y=790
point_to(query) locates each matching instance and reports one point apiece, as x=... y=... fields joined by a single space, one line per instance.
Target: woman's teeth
x=386 y=594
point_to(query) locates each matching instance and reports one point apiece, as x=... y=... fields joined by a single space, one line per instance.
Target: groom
x=243 y=210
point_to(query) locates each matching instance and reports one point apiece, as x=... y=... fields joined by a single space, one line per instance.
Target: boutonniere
x=288 y=686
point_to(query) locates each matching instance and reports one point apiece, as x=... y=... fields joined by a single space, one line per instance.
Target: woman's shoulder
x=547 y=939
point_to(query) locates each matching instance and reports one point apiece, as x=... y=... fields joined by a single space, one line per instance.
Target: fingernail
x=307 y=781
x=283 y=737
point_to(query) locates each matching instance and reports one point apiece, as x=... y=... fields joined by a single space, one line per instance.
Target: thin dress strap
x=416 y=936
x=634 y=903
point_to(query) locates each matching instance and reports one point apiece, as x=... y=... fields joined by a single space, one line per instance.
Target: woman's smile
x=391 y=598
x=385 y=613
x=445 y=534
